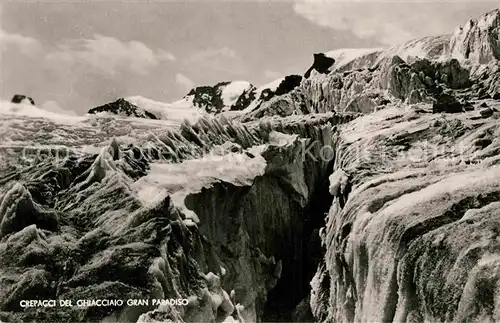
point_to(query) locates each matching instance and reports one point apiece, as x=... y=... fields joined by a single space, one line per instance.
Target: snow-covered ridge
x=232 y=92
x=175 y=111
x=26 y=109
x=272 y=86
x=352 y=57
x=478 y=40
x=222 y=97
x=431 y=47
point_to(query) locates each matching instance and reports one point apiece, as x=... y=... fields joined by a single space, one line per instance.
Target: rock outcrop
x=321 y=64
x=122 y=107
x=19 y=98
x=288 y=84
x=223 y=96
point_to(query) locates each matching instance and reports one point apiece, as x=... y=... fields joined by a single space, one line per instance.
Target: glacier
x=369 y=191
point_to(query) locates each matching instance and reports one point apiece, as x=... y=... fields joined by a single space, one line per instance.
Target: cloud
x=26 y=45
x=81 y=72
x=184 y=81
x=165 y=56
x=224 y=52
x=222 y=59
x=272 y=75
x=109 y=55
x=53 y=106
x=389 y=22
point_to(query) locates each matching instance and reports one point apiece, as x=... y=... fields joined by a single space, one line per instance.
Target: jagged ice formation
x=367 y=191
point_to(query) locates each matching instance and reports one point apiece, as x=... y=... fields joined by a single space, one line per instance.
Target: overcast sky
x=77 y=55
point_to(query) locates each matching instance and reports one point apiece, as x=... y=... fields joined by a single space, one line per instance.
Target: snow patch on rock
x=272 y=86
x=338 y=182
x=231 y=93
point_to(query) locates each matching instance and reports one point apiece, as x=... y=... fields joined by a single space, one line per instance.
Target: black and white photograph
x=250 y=161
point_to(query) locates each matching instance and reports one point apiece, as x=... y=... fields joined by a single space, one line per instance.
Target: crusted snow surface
x=368 y=126
x=427 y=47
x=407 y=211
x=432 y=47
x=190 y=176
x=271 y=86
x=193 y=175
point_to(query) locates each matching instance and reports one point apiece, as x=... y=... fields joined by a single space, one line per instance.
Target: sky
x=74 y=55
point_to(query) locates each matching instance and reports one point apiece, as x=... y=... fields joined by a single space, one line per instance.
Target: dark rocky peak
x=245 y=99
x=19 y=98
x=124 y=108
x=321 y=64
x=289 y=83
x=208 y=97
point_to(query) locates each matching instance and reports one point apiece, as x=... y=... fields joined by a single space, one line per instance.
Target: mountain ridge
x=477 y=33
